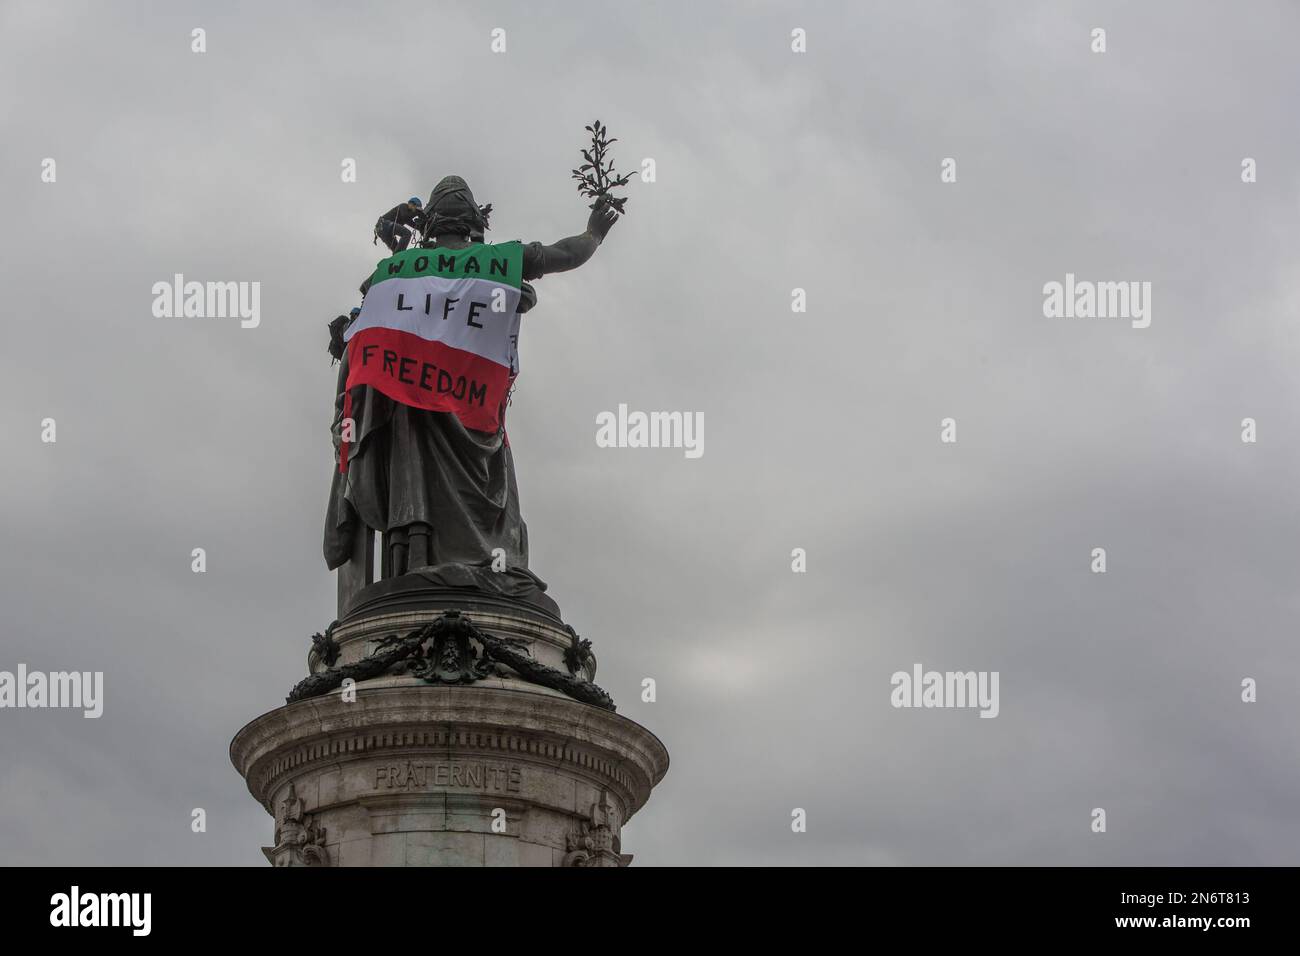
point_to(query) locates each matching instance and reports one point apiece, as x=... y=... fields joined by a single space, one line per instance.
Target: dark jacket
x=404 y=214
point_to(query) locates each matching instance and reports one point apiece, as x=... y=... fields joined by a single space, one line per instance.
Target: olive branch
x=596 y=176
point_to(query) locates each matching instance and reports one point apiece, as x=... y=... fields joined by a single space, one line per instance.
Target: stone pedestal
x=457 y=754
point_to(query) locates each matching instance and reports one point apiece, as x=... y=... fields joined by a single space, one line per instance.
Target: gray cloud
x=775 y=171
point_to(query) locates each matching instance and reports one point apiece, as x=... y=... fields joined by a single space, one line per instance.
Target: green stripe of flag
x=501 y=262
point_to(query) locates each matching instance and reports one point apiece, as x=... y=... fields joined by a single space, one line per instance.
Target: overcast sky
x=775 y=170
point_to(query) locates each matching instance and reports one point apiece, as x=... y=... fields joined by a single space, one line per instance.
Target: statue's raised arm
x=572 y=252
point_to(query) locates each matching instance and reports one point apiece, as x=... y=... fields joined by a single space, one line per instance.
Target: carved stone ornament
x=596 y=841
x=452 y=650
x=578 y=653
x=299 y=841
x=325 y=649
x=450 y=657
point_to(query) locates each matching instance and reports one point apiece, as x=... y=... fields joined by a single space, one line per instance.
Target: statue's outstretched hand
x=574 y=251
x=602 y=219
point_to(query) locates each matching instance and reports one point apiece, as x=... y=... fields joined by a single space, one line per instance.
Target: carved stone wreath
x=452 y=650
x=325 y=647
x=578 y=653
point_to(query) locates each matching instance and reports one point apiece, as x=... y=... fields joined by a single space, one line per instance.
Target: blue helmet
x=415 y=201
x=355 y=312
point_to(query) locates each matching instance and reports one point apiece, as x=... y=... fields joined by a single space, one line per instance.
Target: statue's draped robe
x=407 y=465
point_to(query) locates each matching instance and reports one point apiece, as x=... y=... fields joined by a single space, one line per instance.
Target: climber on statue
x=400 y=224
x=337 y=327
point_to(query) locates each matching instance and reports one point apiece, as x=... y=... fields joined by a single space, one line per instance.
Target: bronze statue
x=442 y=493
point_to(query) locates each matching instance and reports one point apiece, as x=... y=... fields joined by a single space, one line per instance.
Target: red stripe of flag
x=432 y=375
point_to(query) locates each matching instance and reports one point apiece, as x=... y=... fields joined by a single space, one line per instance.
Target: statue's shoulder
x=533 y=255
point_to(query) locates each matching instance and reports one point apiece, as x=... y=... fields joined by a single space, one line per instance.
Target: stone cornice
x=531 y=724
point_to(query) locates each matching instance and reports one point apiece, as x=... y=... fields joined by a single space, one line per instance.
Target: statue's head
x=453 y=211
